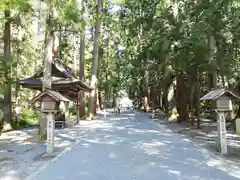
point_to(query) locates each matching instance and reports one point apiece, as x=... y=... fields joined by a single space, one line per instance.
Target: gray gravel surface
x=133 y=147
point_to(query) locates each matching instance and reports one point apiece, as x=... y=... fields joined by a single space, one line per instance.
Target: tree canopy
x=164 y=53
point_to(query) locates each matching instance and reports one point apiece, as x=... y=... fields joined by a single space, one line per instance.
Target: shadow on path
x=131 y=146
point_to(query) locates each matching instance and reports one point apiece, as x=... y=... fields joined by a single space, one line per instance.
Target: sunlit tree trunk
x=75 y=52
x=7 y=73
x=92 y=97
x=213 y=72
x=47 y=67
x=82 y=75
x=81 y=107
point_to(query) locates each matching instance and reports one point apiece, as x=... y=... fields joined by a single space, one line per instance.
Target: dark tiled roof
x=62 y=75
x=216 y=93
x=58 y=67
x=54 y=94
x=60 y=81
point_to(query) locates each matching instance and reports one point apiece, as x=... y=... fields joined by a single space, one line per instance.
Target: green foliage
x=28 y=117
x=72 y=110
x=69 y=15
x=142 y=45
x=22 y=5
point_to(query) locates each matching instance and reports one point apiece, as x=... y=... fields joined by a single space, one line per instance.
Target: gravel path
x=133 y=147
x=22 y=155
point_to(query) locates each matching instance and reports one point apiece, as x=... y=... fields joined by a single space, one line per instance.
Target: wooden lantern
x=224 y=103
x=223 y=100
x=49 y=100
x=48 y=103
x=222 y=97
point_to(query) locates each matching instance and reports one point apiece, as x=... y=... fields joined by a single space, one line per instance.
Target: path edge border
x=45 y=165
x=205 y=149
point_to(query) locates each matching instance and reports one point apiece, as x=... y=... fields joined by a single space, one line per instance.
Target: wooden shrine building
x=63 y=81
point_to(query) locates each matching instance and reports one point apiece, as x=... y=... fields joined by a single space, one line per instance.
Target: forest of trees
x=162 y=52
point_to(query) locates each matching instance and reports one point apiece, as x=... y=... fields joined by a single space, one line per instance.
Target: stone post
x=50 y=133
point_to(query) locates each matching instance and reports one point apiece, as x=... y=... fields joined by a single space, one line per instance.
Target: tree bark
x=181 y=100
x=7 y=73
x=197 y=96
x=192 y=89
x=75 y=51
x=55 y=46
x=8 y=62
x=82 y=75
x=160 y=98
x=92 y=97
x=153 y=97
x=213 y=73
x=47 y=68
x=165 y=98
x=100 y=104
x=81 y=107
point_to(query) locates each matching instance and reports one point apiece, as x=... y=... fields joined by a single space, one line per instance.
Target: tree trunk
x=7 y=73
x=114 y=103
x=96 y=103
x=106 y=91
x=98 y=90
x=145 y=102
x=181 y=100
x=153 y=97
x=191 y=104
x=164 y=96
x=75 y=60
x=192 y=89
x=197 y=97
x=100 y=104
x=17 y=67
x=60 y=41
x=160 y=99
x=92 y=97
x=47 y=68
x=213 y=73
x=146 y=87
x=55 y=46
x=82 y=63
x=82 y=75
x=141 y=95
